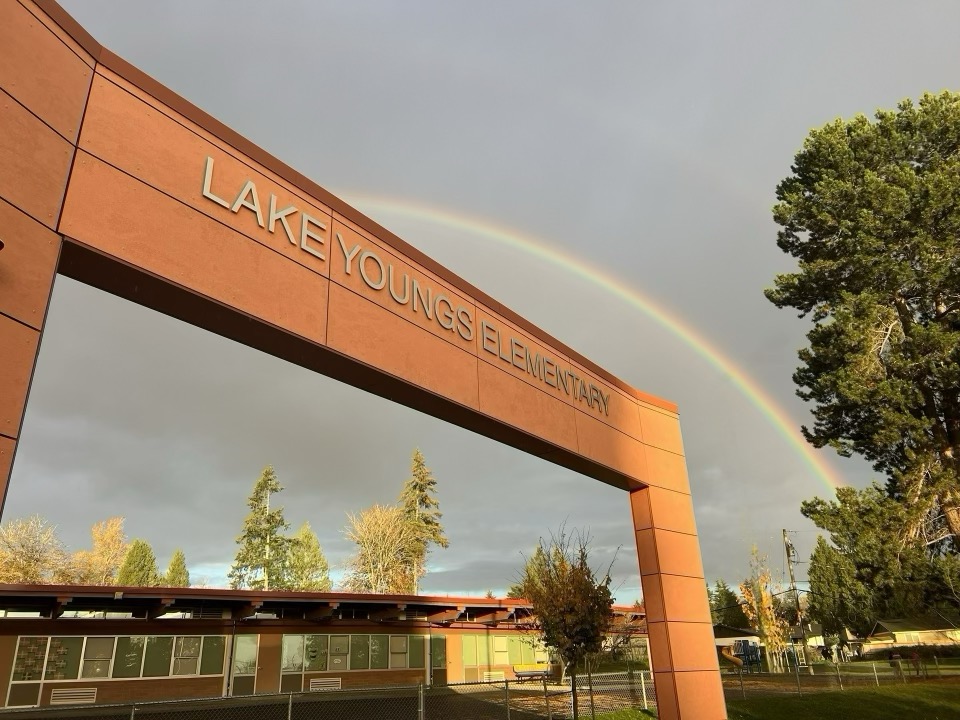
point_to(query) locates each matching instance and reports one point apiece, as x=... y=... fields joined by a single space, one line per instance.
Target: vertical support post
x=593 y=712
x=133 y=711
x=743 y=692
x=290 y=706
x=46 y=124
x=839 y=679
x=937 y=663
x=546 y=697
x=506 y=696
x=796 y=667
x=683 y=656
x=876 y=677
x=421 y=706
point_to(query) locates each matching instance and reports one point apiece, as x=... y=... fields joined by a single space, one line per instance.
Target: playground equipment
x=727 y=652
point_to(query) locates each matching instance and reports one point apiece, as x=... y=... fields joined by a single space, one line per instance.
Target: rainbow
x=754 y=393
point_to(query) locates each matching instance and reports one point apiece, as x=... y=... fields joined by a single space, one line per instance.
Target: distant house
x=939 y=629
x=727 y=635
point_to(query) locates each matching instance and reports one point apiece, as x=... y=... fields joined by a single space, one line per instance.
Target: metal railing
x=539 y=699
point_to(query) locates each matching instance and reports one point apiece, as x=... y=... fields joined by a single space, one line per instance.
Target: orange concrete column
x=682 y=650
x=44 y=81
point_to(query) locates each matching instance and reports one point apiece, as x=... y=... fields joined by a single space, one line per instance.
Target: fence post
x=937 y=663
x=632 y=684
x=643 y=688
x=875 y=676
x=900 y=670
x=593 y=712
x=743 y=693
x=133 y=711
x=506 y=696
x=839 y=679
x=796 y=666
x=546 y=698
x=420 y=703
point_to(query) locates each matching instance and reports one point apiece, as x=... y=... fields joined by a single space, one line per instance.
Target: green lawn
x=926 y=701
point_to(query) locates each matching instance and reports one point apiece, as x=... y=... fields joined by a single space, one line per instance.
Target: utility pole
x=791 y=557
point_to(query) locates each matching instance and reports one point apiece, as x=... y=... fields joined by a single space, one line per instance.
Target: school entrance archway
x=108 y=177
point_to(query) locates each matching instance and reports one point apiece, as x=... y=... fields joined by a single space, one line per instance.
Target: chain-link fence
x=539 y=699
x=834 y=676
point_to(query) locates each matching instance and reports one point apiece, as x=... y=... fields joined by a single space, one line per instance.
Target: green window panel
x=157 y=657
x=483 y=650
x=469 y=651
x=24 y=694
x=514 y=651
x=379 y=652
x=417 y=654
x=359 y=652
x=528 y=655
x=211 y=661
x=63 y=658
x=31 y=652
x=129 y=656
x=438 y=652
x=315 y=653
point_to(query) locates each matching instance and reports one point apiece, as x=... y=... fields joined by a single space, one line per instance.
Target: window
x=245 y=655
x=379 y=652
x=186 y=656
x=156 y=662
x=438 y=652
x=211 y=662
x=63 y=658
x=398 y=651
x=31 y=653
x=291 y=657
x=315 y=653
x=501 y=653
x=359 y=652
x=129 y=657
x=97 y=654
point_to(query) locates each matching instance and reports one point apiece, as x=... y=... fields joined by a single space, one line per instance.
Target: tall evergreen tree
x=307 y=568
x=871 y=212
x=261 y=561
x=139 y=568
x=422 y=511
x=727 y=607
x=177 y=574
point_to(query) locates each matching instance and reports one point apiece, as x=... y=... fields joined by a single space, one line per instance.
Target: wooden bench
x=533 y=671
x=325 y=684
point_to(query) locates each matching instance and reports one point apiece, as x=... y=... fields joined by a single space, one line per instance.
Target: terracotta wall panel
x=453 y=329
x=652 y=598
x=678 y=553
x=27 y=266
x=493 y=346
x=685 y=598
x=659 y=646
x=7 y=446
x=667 y=708
x=647 y=552
x=139 y=139
x=692 y=646
x=605 y=444
x=362 y=329
x=667 y=509
x=34 y=162
x=700 y=695
x=118 y=215
x=667 y=470
x=661 y=429
x=624 y=413
x=41 y=71
x=19 y=345
x=523 y=406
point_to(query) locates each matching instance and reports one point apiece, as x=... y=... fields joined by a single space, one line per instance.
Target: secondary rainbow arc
x=749 y=388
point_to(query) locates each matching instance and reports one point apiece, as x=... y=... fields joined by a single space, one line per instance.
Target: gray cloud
x=646 y=141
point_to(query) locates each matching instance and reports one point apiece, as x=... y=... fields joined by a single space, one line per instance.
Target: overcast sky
x=643 y=140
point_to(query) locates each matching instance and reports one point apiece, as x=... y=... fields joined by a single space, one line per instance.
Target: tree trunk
x=573 y=690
